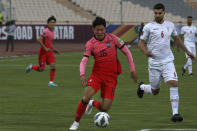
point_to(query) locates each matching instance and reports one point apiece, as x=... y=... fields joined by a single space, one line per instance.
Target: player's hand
x=56 y=51
x=83 y=80
x=47 y=49
x=191 y=56
x=134 y=77
x=149 y=54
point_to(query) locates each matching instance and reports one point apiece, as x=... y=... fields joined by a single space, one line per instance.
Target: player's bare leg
x=174 y=98
x=52 y=75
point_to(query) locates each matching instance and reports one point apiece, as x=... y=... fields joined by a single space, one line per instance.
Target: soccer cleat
x=177 y=118
x=52 y=84
x=74 y=126
x=89 y=108
x=28 y=68
x=140 y=92
x=183 y=71
x=191 y=75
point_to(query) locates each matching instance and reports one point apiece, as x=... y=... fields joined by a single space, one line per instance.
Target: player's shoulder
x=168 y=23
x=90 y=42
x=111 y=36
x=150 y=25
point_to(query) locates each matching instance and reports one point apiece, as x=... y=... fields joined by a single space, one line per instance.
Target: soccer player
x=157 y=34
x=103 y=47
x=189 y=32
x=45 y=54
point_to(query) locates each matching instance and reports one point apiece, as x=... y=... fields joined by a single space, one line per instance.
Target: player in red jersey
x=103 y=47
x=45 y=54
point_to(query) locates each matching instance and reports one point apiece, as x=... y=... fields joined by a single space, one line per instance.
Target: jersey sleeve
x=88 y=49
x=174 y=32
x=195 y=30
x=119 y=43
x=182 y=31
x=145 y=33
x=44 y=33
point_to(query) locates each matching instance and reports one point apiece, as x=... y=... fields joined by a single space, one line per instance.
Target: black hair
x=51 y=18
x=99 y=21
x=189 y=16
x=159 y=6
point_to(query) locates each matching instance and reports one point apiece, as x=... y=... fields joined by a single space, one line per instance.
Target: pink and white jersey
x=48 y=37
x=189 y=33
x=158 y=38
x=105 y=53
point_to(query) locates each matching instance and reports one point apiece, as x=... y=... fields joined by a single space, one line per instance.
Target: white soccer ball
x=101 y=119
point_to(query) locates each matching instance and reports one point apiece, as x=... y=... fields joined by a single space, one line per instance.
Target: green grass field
x=28 y=104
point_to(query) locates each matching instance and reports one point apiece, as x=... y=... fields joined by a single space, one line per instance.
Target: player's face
x=51 y=24
x=189 y=21
x=99 y=32
x=159 y=15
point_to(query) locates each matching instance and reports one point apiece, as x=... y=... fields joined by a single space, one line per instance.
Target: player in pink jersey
x=103 y=47
x=45 y=54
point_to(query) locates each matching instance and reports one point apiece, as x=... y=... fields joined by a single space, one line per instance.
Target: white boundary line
x=168 y=129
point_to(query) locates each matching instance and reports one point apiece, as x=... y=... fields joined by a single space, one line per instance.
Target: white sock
x=174 y=98
x=50 y=82
x=90 y=102
x=146 y=88
x=190 y=69
x=189 y=65
x=185 y=66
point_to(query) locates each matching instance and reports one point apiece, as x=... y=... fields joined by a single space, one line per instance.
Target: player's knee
x=86 y=99
x=103 y=109
x=172 y=83
x=155 y=92
x=41 y=69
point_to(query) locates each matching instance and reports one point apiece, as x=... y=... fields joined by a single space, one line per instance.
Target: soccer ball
x=101 y=119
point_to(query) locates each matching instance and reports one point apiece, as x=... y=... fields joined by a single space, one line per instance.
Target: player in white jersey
x=189 y=32
x=157 y=35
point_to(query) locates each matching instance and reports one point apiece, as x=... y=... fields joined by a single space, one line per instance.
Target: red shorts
x=47 y=57
x=105 y=83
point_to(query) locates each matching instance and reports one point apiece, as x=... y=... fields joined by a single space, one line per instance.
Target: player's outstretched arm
x=55 y=51
x=128 y=54
x=82 y=70
x=142 y=47
x=178 y=40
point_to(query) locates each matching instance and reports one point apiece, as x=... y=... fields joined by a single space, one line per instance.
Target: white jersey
x=158 y=38
x=189 y=33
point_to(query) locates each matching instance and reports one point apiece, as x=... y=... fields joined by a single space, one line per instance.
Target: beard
x=189 y=23
x=158 y=19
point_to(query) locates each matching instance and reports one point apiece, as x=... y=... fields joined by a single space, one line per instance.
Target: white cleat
x=89 y=108
x=28 y=69
x=74 y=126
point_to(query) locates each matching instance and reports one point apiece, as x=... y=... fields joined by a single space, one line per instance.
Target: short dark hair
x=99 y=21
x=159 y=6
x=51 y=18
x=189 y=16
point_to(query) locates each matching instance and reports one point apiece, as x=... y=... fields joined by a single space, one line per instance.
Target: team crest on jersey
x=90 y=80
x=121 y=41
x=108 y=44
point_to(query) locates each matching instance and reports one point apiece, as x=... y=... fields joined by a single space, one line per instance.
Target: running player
x=103 y=47
x=157 y=34
x=189 y=32
x=45 y=54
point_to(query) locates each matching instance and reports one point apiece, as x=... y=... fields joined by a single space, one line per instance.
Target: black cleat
x=140 y=92
x=183 y=71
x=177 y=118
x=191 y=75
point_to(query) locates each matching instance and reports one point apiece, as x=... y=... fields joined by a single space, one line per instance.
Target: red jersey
x=48 y=37
x=105 y=54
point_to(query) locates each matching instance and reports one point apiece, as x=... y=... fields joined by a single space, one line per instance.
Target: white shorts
x=191 y=47
x=166 y=71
